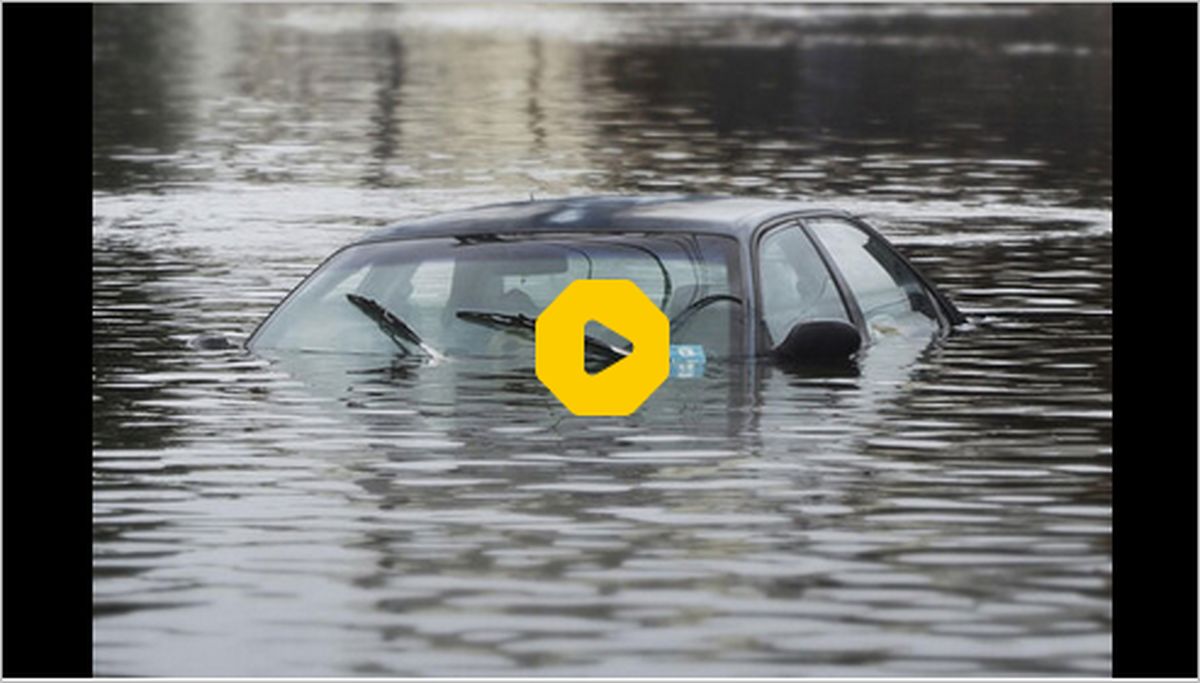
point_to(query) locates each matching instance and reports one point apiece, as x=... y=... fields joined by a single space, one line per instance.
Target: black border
x=1154 y=340
x=47 y=343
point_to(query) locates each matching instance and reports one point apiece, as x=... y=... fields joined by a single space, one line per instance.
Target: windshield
x=368 y=297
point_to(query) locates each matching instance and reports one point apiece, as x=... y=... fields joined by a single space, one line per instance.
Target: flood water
x=947 y=510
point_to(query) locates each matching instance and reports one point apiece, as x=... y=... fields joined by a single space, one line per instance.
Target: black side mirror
x=816 y=342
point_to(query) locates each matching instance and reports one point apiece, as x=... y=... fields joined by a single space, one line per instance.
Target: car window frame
x=849 y=301
x=947 y=315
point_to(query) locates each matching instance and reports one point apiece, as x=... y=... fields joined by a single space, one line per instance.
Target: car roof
x=734 y=216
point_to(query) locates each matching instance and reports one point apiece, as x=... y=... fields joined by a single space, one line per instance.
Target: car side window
x=892 y=298
x=796 y=285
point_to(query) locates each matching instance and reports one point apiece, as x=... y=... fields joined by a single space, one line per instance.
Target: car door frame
x=947 y=314
x=849 y=302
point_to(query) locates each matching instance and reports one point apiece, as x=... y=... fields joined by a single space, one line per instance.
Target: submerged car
x=736 y=277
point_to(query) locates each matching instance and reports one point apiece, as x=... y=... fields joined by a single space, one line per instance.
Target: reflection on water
x=944 y=510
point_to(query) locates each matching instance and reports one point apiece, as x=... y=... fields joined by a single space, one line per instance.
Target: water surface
x=946 y=510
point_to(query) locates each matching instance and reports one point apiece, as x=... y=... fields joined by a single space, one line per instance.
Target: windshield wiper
x=395 y=328
x=523 y=323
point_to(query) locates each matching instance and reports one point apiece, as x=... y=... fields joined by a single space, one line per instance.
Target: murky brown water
x=946 y=511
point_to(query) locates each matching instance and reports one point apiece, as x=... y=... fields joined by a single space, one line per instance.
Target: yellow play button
x=623 y=386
